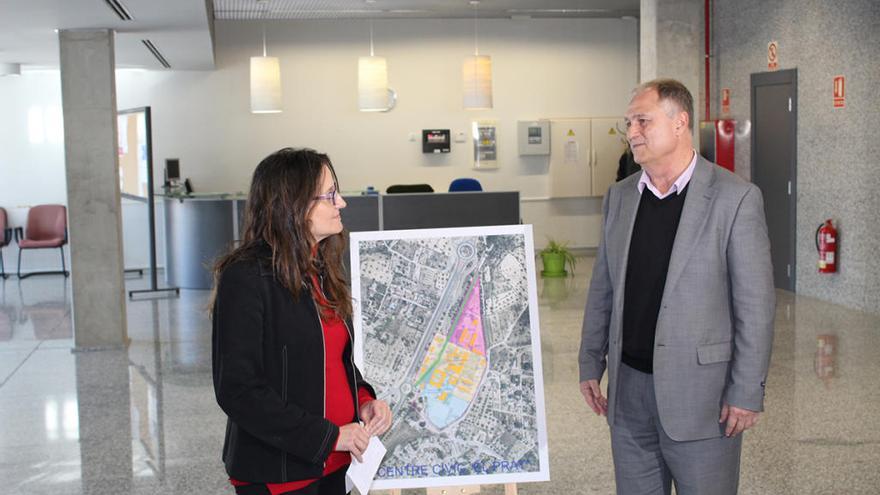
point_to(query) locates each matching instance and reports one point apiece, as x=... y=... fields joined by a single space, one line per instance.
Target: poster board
x=446 y=327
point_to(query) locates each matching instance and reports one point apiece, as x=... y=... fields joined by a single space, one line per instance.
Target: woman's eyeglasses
x=330 y=196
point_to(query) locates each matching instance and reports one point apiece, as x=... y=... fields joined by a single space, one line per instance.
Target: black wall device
x=435 y=140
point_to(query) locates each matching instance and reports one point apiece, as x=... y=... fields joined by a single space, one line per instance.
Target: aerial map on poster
x=446 y=323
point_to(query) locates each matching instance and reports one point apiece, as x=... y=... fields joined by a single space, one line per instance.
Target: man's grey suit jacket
x=715 y=327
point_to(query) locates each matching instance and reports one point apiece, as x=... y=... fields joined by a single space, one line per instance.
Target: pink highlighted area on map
x=469 y=330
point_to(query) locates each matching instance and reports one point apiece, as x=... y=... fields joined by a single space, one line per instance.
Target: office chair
x=409 y=188
x=465 y=184
x=5 y=237
x=46 y=228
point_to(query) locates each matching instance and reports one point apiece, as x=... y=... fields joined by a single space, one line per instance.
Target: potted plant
x=555 y=258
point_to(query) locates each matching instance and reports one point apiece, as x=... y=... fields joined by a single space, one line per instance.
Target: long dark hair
x=282 y=194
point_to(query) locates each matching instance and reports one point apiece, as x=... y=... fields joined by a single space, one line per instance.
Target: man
x=681 y=306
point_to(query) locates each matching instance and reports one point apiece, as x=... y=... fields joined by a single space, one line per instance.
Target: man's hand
x=738 y=419
x=377 y=416
x=593 y=395
x=353 y=438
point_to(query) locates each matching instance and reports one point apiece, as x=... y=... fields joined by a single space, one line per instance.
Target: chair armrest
x=7 y=236
x=19 y=234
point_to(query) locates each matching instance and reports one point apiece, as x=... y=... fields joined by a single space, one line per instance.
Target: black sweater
x=649 y=251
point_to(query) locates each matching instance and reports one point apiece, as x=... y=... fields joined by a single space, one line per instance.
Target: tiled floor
x=144 y=420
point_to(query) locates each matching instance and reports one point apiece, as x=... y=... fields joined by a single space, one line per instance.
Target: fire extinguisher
x=826 y=244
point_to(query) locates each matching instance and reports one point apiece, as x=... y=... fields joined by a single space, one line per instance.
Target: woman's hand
x=377 y=416
x=353 y=438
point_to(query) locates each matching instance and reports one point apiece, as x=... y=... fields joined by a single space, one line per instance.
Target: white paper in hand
x=360 y=474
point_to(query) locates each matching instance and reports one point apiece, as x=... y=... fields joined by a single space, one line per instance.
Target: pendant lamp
x=374 y=95
x=10 y=69
x=265 y=82
x=476 y=75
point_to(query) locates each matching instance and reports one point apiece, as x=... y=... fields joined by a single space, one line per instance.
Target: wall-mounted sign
x=572 y=149
x=435 y=140
x=839 y=92
x=773 y=55
x=725 y=101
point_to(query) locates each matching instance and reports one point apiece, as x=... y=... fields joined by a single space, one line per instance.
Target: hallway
x=144 y=420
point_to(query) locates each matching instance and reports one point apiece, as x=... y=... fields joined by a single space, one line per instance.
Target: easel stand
x=151 y=213
x=154 y=283
x=509 y=489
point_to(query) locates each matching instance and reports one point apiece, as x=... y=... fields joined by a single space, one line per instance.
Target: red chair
x=46 y=228
x=5 y=237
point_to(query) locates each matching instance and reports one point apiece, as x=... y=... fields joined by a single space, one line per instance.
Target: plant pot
x=554 y=265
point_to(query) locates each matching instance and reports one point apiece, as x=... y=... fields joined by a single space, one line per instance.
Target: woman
x=297 y=406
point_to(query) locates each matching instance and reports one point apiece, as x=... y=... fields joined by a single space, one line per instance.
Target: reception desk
x=197 y=230
x=200 y=228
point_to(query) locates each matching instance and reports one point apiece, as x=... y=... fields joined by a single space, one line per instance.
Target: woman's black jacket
x=268 y=366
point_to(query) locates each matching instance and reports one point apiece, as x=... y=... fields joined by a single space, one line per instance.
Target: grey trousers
x=647 y=461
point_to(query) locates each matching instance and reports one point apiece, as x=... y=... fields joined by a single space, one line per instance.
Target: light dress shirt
x=677 y=187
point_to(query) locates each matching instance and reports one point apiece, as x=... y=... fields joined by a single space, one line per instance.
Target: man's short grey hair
x=672 y=91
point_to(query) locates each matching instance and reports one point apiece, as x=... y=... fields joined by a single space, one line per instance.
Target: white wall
x=31 y=156
x=543 y=68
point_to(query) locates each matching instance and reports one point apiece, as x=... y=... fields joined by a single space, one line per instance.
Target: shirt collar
x=677 y=187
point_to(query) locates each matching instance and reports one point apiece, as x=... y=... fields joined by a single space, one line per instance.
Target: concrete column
x=671 y=45
x=647 y=40
x=103 y=396
x=88 y=91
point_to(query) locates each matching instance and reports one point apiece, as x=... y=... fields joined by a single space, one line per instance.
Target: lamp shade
x=265 y=85
x=372 y=84
x=8 y=69
x=476 y=77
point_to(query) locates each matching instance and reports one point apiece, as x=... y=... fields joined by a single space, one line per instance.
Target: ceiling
x=397 y=9
x=181 y=30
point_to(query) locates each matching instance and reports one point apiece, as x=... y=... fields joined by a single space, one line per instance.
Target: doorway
x=774 y=165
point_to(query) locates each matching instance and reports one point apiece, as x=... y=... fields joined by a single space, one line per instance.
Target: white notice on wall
x=571 y=148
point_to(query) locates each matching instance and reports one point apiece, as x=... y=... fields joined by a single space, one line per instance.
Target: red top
x=339 y=406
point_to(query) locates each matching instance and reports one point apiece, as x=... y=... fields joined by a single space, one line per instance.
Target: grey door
x=774 y=165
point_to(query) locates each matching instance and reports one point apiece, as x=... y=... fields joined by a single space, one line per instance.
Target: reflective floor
x=144 y=420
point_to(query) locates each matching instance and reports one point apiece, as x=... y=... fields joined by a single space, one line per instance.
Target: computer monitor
x=172 y=169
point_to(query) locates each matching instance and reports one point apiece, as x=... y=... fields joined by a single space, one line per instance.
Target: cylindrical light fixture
x=265 y=85
x=372 y=84
x=476 y=74
x=476 y=77
x=9 y=69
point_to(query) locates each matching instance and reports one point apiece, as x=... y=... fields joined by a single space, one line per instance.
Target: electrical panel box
x=435 y=140
x=533 y=137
